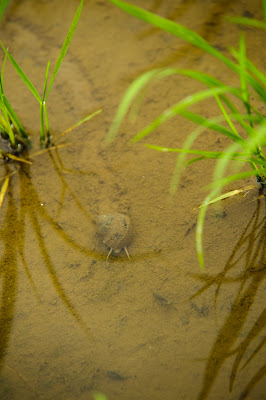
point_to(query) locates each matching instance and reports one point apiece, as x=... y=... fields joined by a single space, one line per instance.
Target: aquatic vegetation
x=250 y=250
x=245 y=124
x=10 y=126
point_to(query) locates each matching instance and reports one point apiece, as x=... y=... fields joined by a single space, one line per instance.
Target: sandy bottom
x=155 y=326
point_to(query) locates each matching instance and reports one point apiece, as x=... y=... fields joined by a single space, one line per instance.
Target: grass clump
x=10 y=125
x=246 y=129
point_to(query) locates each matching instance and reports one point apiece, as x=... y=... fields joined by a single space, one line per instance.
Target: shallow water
x=155 y=327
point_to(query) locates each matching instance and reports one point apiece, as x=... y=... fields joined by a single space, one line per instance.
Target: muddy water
x=154 y=327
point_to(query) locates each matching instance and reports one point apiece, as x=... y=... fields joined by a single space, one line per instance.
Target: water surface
x=155 y=327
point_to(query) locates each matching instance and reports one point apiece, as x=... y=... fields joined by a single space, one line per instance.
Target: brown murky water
x=154 y=327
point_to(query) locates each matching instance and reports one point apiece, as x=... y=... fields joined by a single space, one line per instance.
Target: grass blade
x=3 y=190
x=65 y=46
x=232 y=193
x=7 y=123
x=186 y=34
x=252 y=68
x=247 y=21
x=21 y=74
x=81 y=122
x=15 y=120
x=43 y=105
x=47 y=124
x=180 y=108
x=3 y=5
x=211 y=124
x=205 y=154
x=11 y=113
x=133 y=90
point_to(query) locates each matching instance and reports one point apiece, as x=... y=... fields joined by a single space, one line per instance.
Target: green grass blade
x=211 y=124
x=2 y=74
x=205 y=154
x=22 y=75
x=218 y=174
x=45 y=81
x=172 y=27
x=7 y=124
x=151 y=77
x=180 y=108
x=237 y=156
x=134 y=89
x=243 y=72
x=220 y=183
x=42 y=131
x=81 y=121
x=256 y=72
x=65 y=46
x=10 y=112
x=199 y=231
x=43 y=106
x=226 y=116
x=3 y=5
x=247 y=21
x=186 y=34
x=15 y=120
x=48 y=135
x=180 y=163
x=251 y=67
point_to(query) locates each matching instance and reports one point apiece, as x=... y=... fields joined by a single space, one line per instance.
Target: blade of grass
x=65 y=46
x=220 y=183
x=16 y=121
x=47 y=124
x=42 y=105
x=182 y=157
x=252 y=68
x=209 y=154
x=226 y=116
x=205 y=154
x=3 y=5
x=151 y=77
x=9 y=109
x=181 y=107
x=247 y=21
x=242 y=72
x=211 y=124
x=15 y=158
x=7 y=124
x=133 y=90
x=230 y=194
x=81 y=122
x=186 y=34
x=21 y=74
x=3 y=190
x=217 y=175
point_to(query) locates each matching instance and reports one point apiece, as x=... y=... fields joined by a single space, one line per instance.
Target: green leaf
x=186 y=34
x=128 y=99
x=180 y=108
x=81 y=121
x=15 y=120
x=247 y=21
x=65 y=46
x=3 y=5
x=22 y=75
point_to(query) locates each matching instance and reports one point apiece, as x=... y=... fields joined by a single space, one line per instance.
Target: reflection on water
x=72 y=324
x=251 y=250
